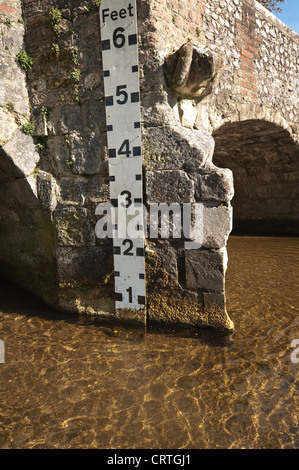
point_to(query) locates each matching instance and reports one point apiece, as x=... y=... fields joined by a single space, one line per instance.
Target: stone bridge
x=219 y=102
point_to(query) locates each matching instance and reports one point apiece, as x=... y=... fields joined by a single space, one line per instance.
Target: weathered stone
x=21 y=150
x=74 y=227
x=60 y=154
x=98 y=189
x=214 y=184
x=92 y=265
x=8 y=125
x=169 y=186
x=187 y=113
x=72 y=190
x=46 y=186
x=192 y=71
x=215 y=309
x=39 y=121
x=88 y=155
x=217 y=225
x=65 y=120
x=168 y=260
x=205 y=270
x=176 y=147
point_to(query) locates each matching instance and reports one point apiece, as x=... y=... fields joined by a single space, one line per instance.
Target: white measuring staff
x=118 y=19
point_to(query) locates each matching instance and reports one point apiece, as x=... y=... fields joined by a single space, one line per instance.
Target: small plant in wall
x=74 y=54
x=55 y=49
x=10 y=106
x=76 y=75
x=24 y=60
x=28 y=128
x=97 y=3
x=69 y=163
x=41 y=144
x=54 y=19
x=45 y=112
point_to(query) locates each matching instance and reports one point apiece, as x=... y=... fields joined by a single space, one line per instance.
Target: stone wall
x=182 y=104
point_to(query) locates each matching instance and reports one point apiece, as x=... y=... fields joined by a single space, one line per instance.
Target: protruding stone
x=192 y=71
x=21 y=150
x=217 y=225
x=214 y=184
x=165 y=148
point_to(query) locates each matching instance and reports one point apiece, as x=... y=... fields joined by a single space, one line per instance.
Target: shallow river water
x=75 y=383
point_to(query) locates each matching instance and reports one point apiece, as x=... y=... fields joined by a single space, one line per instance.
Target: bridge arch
x=264 y=159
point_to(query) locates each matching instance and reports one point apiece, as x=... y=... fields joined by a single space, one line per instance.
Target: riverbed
x=73 y=382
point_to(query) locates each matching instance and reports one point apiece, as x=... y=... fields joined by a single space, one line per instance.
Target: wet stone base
x=169 y=302
x=127 y=315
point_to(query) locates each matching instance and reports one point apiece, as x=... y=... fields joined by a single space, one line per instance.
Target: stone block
x=39 y=122
x=98 y=189
x=168 y=261
x=205 y=270
x=193 y=71
x=214 y=301
x=8 y=124
x=214 y=184
x=87 y=154
x=72 y=190
x=213 y=225
x=65 y=120
x=84 y=265
x=60 y=155
x=21 y=150
x=93 y=115
x=46 y=190
x=165 y=148
x=74 y=226
x=169 y=186
x=217 y=225
x=215 y=310
x=188 y=113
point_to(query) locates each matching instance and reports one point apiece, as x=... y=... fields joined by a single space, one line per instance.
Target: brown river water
x=70 y=382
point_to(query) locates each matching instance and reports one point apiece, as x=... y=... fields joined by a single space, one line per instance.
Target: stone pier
x=219 y=105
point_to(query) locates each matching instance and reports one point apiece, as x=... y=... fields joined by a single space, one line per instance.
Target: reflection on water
x=79 y=384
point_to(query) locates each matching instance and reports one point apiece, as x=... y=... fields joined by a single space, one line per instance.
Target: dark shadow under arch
x=264 y=160
x=26 y=238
